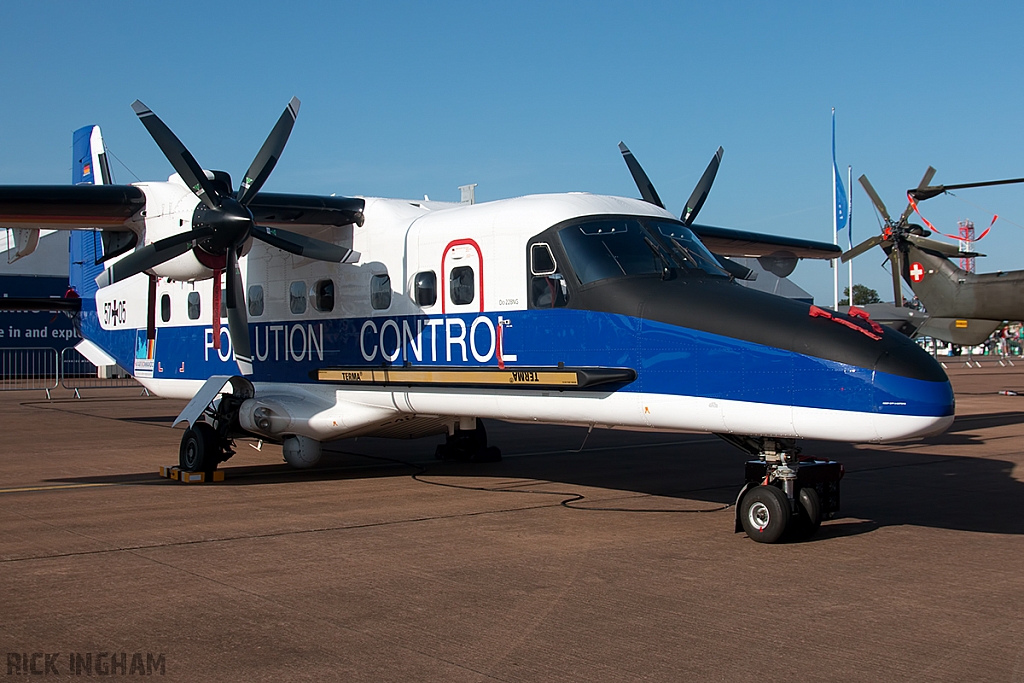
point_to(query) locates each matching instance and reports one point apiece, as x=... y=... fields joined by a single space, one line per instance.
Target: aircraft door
x=462 y=286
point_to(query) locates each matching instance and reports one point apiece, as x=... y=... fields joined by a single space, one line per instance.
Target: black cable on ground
x=570 y=497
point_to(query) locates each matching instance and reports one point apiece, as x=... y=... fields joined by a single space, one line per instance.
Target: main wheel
x=808 y=514
x=764 y=513
x=468 y=446
x=200 y=449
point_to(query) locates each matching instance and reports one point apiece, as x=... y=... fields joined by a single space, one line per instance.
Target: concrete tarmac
x=614 y=563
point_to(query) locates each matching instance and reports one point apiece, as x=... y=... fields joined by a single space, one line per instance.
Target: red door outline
x=444 y=273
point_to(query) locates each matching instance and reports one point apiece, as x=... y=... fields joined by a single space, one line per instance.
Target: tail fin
x=90 y=165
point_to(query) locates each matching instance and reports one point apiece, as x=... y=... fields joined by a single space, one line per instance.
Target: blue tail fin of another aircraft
x=89 y=167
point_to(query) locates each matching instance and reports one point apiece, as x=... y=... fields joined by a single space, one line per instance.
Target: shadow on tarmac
x=884 y=485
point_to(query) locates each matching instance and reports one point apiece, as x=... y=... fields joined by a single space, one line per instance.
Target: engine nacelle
x=170 y=208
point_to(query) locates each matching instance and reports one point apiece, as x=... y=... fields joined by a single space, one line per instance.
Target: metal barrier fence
x=29 y=368
x=78 y=373
x=42 y=368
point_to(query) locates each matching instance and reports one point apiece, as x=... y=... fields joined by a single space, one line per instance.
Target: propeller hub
x=229 y=225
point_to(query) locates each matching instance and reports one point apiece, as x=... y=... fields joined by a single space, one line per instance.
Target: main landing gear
x=467 y=442
x=786 y=496
x=206 y=444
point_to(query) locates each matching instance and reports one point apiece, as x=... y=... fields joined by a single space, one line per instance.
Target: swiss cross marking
x=916 y=272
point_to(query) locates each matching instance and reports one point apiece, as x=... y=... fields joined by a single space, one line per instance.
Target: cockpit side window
x=548 y=288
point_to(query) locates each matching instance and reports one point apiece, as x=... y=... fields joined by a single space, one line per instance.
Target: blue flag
x=842 y=208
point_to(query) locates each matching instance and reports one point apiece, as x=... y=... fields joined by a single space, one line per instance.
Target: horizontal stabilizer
x=40 y=304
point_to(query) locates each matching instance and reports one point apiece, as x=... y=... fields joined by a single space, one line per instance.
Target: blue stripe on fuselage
x=669 y=360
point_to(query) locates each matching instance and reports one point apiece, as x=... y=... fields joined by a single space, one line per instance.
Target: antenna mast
x=966 y=242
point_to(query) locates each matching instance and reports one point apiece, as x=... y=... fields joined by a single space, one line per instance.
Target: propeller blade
x=934 y=245
x=867 y=244
x=300 y=245
x=238 y=321
x=149 y=256
x=268 y=155
x=874 y=197
x=700 y=192
x=897 y=274
x=181 y=159
x=643 y=183
x=928 y=175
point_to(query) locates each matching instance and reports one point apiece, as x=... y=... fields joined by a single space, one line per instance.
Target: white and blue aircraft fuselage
x=573 y=309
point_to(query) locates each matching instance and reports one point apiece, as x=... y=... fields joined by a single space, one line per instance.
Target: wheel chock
x=180 y=475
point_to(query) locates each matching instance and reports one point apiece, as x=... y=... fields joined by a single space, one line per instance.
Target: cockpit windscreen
x=620 y=247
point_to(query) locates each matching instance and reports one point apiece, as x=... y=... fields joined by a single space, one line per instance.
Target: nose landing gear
x=785 y=496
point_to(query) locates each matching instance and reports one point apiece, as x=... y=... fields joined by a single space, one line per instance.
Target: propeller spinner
x=222 y=224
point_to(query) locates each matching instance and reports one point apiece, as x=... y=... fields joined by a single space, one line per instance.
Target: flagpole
x=849 y=223
x=835 y=224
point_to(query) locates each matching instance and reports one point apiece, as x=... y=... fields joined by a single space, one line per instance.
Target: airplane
x=961 y=307
x=365 y=316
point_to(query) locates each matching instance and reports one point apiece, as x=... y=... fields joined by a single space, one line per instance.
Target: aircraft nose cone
x=913 y=397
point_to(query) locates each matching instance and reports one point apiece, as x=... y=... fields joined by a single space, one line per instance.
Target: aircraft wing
x=730 y=242
x=108 y=207
x=69 y=207
x=288 y=210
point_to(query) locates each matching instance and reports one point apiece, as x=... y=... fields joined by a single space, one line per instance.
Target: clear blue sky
x=406 y=99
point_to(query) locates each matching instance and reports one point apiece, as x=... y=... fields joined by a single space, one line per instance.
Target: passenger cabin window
x=462 y=287
x=223 y=304
x=380 y=292
x=323 y=296
x=193 y=306
x=425 y=288
x=548 y=288
x=165 y=308
x=297 y=297
x=255 y=300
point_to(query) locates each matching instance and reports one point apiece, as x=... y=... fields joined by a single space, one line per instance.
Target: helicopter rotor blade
x=943 y=248
x=866 y=245
x=928 y=175
x=875 y=199
x=897 y=274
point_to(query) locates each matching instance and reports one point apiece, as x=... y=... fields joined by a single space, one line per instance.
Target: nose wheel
x=765 y=514
x=786 y=496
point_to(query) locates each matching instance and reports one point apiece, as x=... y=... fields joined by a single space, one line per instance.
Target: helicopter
x=961 y=307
